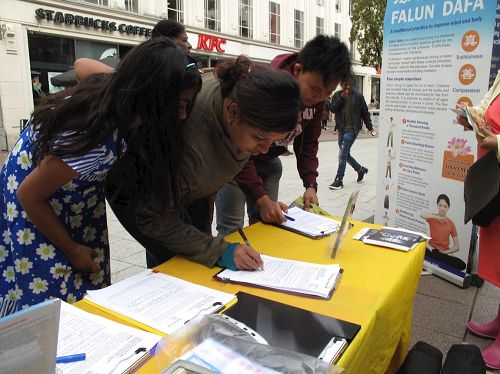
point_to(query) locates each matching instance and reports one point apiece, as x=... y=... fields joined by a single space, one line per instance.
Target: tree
x=367 y=17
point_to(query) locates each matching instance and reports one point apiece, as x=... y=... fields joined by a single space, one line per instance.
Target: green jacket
x=210 y=161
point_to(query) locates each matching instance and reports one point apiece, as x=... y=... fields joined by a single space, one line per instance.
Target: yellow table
x=376 y=291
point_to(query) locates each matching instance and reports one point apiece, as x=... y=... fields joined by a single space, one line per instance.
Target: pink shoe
x=491 y=355
x=485 y=330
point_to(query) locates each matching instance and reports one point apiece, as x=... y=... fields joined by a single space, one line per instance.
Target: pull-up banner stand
x=436 y=54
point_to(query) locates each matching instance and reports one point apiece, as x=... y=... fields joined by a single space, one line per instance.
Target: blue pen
x=70 y=358
x=290 y=218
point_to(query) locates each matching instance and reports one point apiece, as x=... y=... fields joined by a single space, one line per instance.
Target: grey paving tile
x=434 y=286
x=117 y=266
x=123 y=248
x=123 y=234
x=490 y=290
x=482 y=343
x=138 y=259
x=485 y=309
x=440 y=315
x=128 y=272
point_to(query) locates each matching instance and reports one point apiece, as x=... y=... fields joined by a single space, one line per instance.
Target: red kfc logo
x=209 y=42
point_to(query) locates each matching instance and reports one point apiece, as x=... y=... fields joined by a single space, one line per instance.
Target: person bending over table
x=55 y=241
x=239 y=113
x=317 y=68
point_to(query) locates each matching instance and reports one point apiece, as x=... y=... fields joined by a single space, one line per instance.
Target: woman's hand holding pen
x=247 y=258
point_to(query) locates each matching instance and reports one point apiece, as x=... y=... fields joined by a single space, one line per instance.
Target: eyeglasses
x=190 y=65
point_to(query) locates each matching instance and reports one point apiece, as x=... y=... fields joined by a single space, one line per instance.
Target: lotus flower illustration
x=459 y=146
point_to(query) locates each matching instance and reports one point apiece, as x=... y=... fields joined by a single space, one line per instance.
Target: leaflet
x=290 y=276
x=109 y=347
x=158 y=300
x=309 y=224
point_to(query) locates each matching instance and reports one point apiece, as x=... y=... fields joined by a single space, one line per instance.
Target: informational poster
x=436 y=54
x=495 y=53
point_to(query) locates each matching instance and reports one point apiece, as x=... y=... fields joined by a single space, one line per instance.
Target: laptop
x=337 y=238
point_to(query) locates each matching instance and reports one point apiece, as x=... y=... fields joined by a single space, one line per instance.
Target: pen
x=244 y=237
x=70 y=358
x=290 y=218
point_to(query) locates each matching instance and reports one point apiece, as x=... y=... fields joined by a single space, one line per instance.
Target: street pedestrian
x=351 y=112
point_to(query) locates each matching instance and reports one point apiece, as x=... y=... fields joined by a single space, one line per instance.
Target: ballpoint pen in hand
x=244 y=237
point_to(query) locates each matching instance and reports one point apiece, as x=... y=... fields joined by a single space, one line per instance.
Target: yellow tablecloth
x=376 y=291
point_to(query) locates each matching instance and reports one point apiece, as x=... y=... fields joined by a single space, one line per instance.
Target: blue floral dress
x=31 y=268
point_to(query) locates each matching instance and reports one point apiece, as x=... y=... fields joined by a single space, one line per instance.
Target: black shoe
x=337 y=184
x=361 y=174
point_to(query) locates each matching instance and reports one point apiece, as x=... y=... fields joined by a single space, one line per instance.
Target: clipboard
x=293 y=328
x=323 y=278
x=309 y=224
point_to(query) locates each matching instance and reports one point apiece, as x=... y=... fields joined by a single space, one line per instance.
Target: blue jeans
x=346 y=140
x=230 y=200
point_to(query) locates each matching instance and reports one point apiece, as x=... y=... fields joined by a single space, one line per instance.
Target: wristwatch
x=311 y=185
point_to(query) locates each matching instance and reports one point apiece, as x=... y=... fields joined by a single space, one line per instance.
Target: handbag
x=481 y=190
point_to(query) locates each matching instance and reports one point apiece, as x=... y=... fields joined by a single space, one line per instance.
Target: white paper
x=288 y=275
x=310 y=223
x=160 y=301
x=221 y=359
x=109 y=346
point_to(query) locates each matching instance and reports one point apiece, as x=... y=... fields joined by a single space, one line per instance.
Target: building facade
x=40 y=39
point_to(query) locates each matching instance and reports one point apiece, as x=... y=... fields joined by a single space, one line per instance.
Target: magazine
x=391 y=237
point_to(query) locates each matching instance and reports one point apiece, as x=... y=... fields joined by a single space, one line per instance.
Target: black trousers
x=454 y=262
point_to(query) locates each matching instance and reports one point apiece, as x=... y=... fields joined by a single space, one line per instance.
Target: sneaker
x=361 y=174
x=337 y=184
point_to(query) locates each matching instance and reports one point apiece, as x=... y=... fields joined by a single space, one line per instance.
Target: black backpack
x=464 y=359
x=423 y=358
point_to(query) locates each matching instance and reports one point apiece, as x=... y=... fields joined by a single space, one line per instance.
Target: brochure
x=391 y=237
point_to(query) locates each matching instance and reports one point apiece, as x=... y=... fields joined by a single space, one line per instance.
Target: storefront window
x=176 y=10
x=49 y=56
x=274 y=22
x=98 y=2
x=95 y=50
x=132 y=5
x=320 y=26
x=212 y=15
x=376 y=89
x=299 y=28
x=338 y=30
x=357 y=83
x=246 y=18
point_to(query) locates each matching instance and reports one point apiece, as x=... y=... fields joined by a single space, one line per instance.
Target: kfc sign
x=209 y=43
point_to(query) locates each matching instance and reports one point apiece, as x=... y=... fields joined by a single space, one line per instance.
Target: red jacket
x=305 y=143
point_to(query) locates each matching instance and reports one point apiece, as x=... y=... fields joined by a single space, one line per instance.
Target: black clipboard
x=292 y=328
